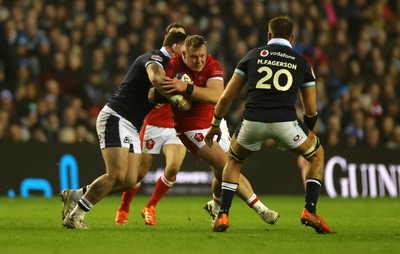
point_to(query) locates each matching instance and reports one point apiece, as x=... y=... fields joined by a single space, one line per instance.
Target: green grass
x=361 y=226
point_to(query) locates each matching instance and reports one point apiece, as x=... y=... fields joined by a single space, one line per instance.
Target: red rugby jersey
x=199 y=116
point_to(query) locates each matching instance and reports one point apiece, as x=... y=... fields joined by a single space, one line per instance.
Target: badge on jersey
x=183 y=76
x=150 y=144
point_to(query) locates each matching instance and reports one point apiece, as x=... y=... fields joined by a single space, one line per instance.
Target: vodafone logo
x=199 y=137
x=150 y=144
x=264 y=53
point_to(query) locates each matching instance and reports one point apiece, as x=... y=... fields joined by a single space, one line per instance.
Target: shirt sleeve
x=309 y=77
x=241 y=68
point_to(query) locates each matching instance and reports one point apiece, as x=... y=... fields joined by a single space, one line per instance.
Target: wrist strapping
x=216 y=121
x=310 y=121
x=189 y=89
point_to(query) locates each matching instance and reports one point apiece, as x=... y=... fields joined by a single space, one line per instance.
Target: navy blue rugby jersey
x=130 y=99
x=274 y=74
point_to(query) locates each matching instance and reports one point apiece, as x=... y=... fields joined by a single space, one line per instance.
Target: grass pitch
x=361 y=226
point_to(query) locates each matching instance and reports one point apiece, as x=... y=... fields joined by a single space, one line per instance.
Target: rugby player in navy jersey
x=118 y=126
x=274 y=74
x=157 y=134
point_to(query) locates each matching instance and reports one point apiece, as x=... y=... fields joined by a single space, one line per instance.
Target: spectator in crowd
x=372 y=137
x=354 y=47
x=394 y=142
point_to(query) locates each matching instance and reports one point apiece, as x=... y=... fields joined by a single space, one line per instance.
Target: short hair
x=176 y=25
x=280 y=27
x=173 y=38
x=195 y=41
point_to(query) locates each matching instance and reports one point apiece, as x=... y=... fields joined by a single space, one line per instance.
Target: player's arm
x=208 y=94
x=235 y=85
x=154 y=96
x=157 y=76
x=233 y=88
x=308 y=97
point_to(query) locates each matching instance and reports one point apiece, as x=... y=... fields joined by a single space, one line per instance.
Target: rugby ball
x=184 y=77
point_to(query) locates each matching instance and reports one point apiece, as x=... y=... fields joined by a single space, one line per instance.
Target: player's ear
x=269 y=36
x=291 y=38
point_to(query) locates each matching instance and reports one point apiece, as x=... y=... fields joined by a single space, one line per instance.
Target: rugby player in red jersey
x=199 y=76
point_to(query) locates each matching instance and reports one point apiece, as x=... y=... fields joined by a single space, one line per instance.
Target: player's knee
x=171 y=171
x=119 y=179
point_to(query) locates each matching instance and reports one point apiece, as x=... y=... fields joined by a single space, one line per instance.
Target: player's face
x=195 y=59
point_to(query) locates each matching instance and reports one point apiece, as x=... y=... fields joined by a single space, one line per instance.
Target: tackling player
x=157 y=133
x=274 y=75
x=117 y=126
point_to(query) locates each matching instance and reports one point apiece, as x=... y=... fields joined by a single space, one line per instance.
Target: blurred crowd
x=60 y=60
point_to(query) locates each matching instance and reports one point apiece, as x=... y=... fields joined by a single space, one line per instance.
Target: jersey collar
x=165 y=52
x=280 y=41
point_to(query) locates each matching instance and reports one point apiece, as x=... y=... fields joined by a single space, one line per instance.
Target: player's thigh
x=153 y=138
x=174 y=155
x=116 y=160
x=292 y=135
x=296 y=137
x=215 y=156
x=145 y=163
x=194 y=139
x=310 y=148
x=237 y=151
x=173 y=149
x=249 y=137
x=115 y=131
x=134 y=167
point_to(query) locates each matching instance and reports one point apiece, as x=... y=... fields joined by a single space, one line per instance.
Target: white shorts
x=287 y=135
x=115 y=131
x=153 y=138
x=194 y=140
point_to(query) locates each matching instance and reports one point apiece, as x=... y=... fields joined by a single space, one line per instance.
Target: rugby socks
x=127 y=197
x=255 y=203
x=162 y=187
x=81 y=208
x=312 y=191
x=77 y=194
x=227 y=194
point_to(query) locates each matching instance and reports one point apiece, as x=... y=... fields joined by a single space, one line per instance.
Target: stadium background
x=60 y=61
